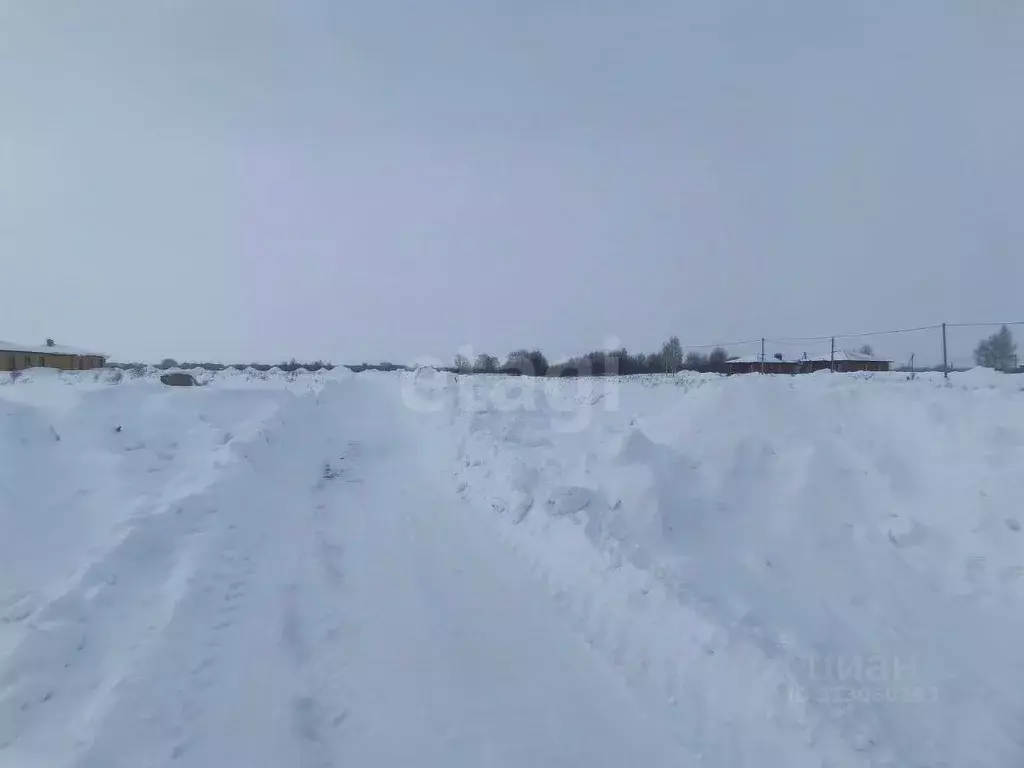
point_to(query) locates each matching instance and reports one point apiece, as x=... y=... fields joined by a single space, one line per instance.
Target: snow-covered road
x=350 y=572
x=322 y=604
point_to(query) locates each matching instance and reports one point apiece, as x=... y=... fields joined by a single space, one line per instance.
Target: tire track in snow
x=457 y=656
x=272 y=677
x=222 y=597
x=164 y=709
x=311 y=624
x=307 y=719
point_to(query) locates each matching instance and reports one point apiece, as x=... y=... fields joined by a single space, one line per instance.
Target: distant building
x=17 y=357
x=844 y=362
x=753 y=364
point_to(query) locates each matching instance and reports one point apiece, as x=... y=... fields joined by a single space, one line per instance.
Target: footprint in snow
x=18 y=607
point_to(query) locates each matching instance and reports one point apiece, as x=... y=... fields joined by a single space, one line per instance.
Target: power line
x=979 y=325
x=725 y=344
x=853 y=335
x=829 y=337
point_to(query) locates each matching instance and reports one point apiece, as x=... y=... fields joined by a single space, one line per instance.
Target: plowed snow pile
x=384 y=570
x=831 y=561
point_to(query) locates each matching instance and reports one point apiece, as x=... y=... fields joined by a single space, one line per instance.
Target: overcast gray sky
x=389 y=179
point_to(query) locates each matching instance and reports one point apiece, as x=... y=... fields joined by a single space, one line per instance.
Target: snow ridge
x=791 y=549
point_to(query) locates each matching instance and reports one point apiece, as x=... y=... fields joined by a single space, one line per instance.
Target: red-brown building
x=843 y=362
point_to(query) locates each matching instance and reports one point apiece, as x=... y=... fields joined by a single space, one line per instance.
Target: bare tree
x=718 y=356
x=526 y=362
x=461 y=364
x=486 y=364
x=695 y=360
x=672 y=355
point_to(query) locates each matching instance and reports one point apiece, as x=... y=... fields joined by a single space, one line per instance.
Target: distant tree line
x=997 y=351
x=618 y=362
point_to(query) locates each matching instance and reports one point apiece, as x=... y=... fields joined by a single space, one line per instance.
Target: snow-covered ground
x=421 y=569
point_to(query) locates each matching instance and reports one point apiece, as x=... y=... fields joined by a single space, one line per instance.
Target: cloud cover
x=374 y=180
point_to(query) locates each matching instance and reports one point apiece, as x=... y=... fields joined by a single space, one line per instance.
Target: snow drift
x=822 y=560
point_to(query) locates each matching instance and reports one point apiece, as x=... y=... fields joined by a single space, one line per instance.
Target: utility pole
x=762 y=354
x=832 y=360
x=945 y=360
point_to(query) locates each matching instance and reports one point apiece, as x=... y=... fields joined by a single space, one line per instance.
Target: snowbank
x=81 y=462
x=50 y=378
x=833 y=557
